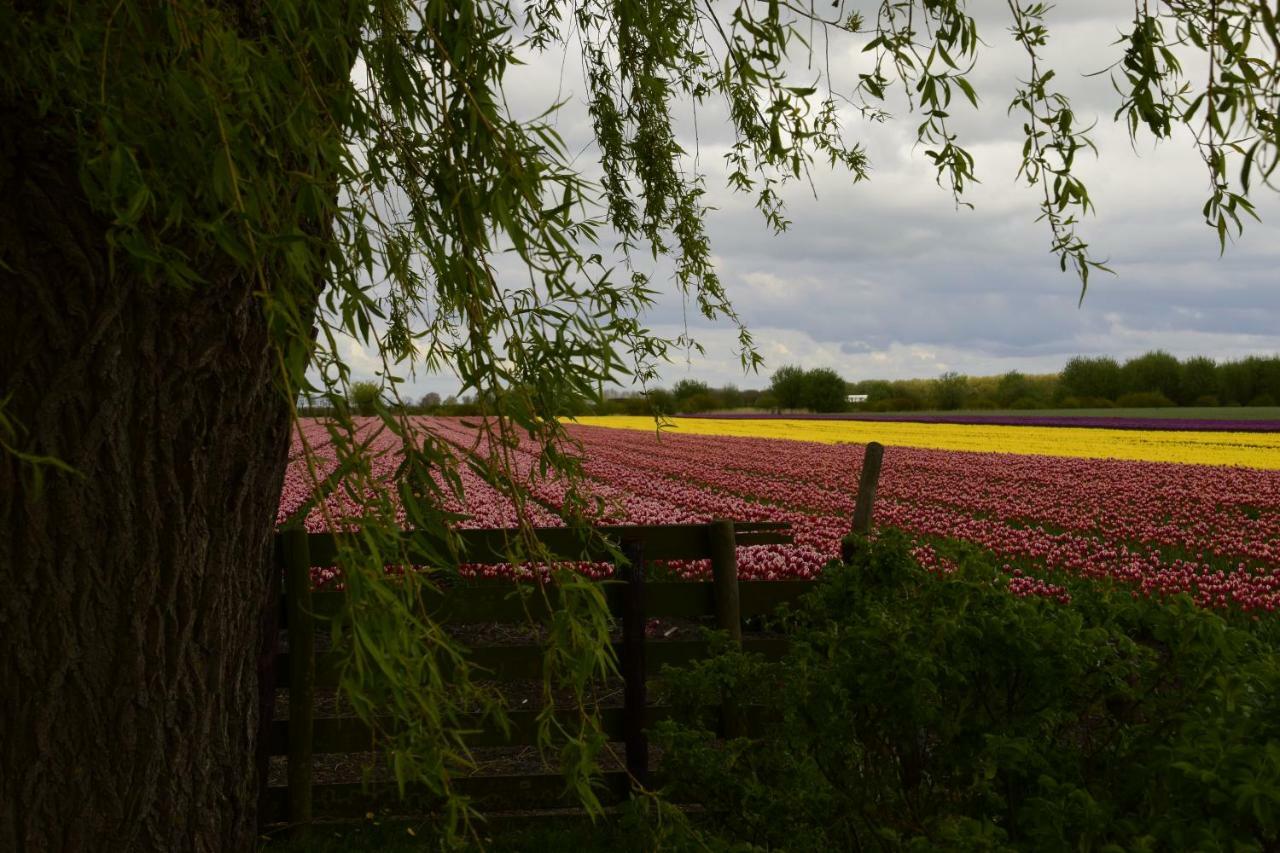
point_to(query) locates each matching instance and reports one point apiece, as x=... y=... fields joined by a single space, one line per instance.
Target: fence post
x=302 y=675
x=862 y=510
x=724 y=573
x=632 y=663
x=268 y=650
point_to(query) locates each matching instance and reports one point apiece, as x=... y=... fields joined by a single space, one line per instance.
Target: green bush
x=895 y=404
x=1152 y=371
x=1091 y=377
x=824 y=390
x=1144 y=400
x=766 y=401
x=1013 y=390
x=365 y=397
x=1096 y=403
x=950 y=391
x=788 y=386
x=1198 y=378
x=697 y=403
x=924 y=711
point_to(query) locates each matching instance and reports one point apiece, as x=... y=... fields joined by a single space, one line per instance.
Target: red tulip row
x=632 y=496
x=1213 y=532
x=1210 y=531
x=483 y=506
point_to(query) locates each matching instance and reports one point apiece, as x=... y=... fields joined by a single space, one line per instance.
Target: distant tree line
x=365 y=398
x=1154 y=379
x=791 y=388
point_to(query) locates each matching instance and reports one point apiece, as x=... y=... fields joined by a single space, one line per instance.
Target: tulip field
x=1211 y=530
x=1227 y=444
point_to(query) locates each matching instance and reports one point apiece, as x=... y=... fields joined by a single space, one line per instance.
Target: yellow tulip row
x=1243 y=449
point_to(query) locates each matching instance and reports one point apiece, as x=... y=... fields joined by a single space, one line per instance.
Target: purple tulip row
x=1175 y=424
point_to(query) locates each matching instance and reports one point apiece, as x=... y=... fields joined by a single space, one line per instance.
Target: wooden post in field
x=635 y=694
x=724 y=573
x=302 y=675
x=862 y=510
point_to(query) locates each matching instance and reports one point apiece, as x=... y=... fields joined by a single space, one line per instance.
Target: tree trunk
x=130 y=593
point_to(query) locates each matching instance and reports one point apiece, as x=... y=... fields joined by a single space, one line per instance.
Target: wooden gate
x=634 y=600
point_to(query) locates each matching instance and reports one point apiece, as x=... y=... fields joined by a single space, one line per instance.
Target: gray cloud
x=888 y=279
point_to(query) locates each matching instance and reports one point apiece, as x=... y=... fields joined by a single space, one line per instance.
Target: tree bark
x=132 y=592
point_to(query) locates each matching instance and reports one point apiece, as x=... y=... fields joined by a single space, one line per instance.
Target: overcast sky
x=886 y=279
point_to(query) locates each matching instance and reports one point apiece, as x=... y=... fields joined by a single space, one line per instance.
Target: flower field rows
x=1212 y=531
x=484 y=506
x=1164 y=528
x=1245 y=449
x=1168 y=423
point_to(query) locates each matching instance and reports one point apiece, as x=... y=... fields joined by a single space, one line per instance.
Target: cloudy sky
x=887 y=279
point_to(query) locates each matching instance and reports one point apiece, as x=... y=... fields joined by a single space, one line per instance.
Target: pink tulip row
x=482 y=506
x=633 y=497
x=1213 y=532
x=1164 y=529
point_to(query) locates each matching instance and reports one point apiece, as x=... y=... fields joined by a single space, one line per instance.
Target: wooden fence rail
x=634 y=600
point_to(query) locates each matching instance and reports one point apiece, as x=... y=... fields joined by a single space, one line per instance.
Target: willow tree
x=198 y=200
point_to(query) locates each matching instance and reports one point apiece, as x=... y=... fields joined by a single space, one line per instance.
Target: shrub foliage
x=924 y=711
